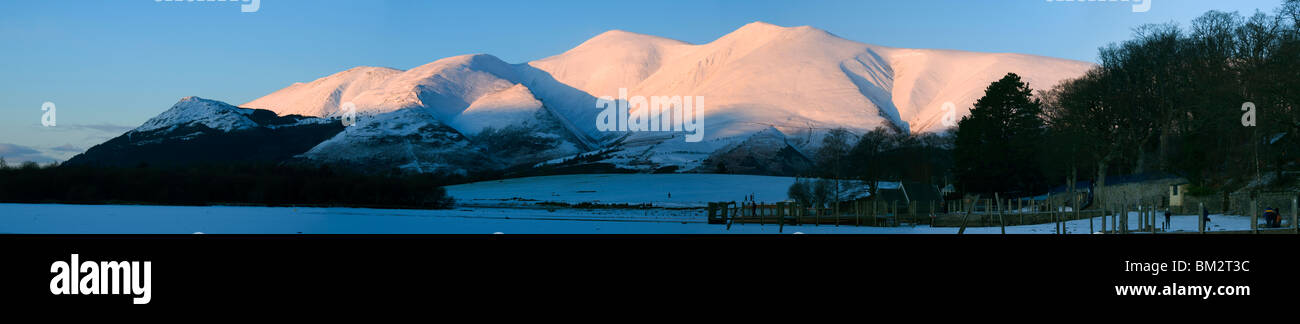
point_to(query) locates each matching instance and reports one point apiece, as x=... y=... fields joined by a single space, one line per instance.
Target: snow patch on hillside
x=512 y=106
x=323 y=97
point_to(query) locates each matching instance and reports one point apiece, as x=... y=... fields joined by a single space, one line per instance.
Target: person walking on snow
x=1167 y=215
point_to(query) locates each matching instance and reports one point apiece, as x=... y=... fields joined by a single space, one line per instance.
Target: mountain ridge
x=787 y=85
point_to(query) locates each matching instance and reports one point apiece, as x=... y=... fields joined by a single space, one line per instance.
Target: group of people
x=1272 y=218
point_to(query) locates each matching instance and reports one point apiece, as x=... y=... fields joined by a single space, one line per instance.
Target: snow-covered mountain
x=794 y=77
x=770 y=93
x=795 y=81
x=191 y=111
x=201 y=131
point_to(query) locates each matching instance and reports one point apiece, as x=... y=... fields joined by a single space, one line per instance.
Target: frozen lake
x=133 y=219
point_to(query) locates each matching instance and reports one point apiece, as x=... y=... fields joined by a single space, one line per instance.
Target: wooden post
x=1078 y=213
x=817 y=215
x=875 y=213
x=893 y=206
x=1090 y=228
x=1119 y=218
x=1142 y=217
x=1143 y=214
x=969 y=209
x=989 y=209
x=837 y=212
x=1114 y=219
x=1103 y=221
x=1056 y=220
x=1200 y=220
x=710 y=213
x=1254 y=216
x=1001 y=221
x=857 y=213
x=780 y=217
x=1155 y=214
x=911 y=208
x=1123 y=221
x=740 y=212
x=932 y=213
x=1294 y=210
x=1128 y=220
x=730 y=219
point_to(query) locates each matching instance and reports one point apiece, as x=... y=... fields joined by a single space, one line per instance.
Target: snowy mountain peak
x=194 y=110
x=323 y=96
x=445 y=87
x=623 y=36
x=759 y=31
x=760 y=28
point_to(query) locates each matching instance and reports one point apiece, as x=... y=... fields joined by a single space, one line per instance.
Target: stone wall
x=1146 y=192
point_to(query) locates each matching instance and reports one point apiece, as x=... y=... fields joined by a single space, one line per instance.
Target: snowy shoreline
x=140 y=219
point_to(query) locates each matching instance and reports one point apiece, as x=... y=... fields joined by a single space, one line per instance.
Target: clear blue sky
x=111 y=65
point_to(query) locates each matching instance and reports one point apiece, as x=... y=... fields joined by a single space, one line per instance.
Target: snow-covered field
x=686 y=190
x=124 y=219
x=505 y=206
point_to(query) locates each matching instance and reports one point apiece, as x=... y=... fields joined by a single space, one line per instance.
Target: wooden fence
x=968 y=213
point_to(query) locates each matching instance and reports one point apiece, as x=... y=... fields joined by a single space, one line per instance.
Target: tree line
x=254 y=184
x=880 y=154
x=1214 y=102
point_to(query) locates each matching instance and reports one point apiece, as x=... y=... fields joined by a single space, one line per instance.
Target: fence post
x=1119 y=215
x=933 y=214
x=1254 y=216
x=817 y=215
x=780 y=217
x=1090 y=228
x=1104 y=216
x=911 y=208
x=1200 y=219
x=874 y=213
x=1121 y=221
x=893 y=206
x=837 y=212
x=1146 y=215
x=1079 y=213
x=1293 y=215
x=1142 y=216
x=857 y=213
x=1154 y=213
